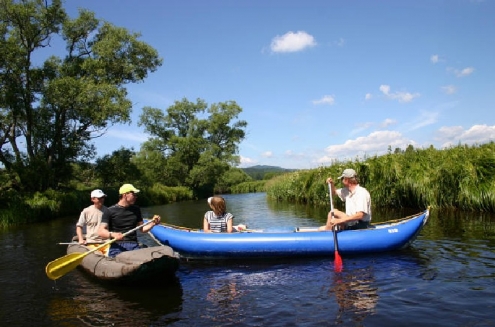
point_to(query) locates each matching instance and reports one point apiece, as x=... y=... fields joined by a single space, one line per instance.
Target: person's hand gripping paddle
x=338 y=265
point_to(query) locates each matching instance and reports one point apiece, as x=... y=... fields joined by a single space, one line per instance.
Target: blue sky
x=318 y=80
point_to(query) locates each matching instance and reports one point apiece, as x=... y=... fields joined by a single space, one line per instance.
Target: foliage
x=249 y=187
x=197 y=143
x=160 y=194
x=117 y=168
x=231 y=178
x=49 y=113
x=42 y=206
x=260 y=172
x=460 y=177
x=151 y=165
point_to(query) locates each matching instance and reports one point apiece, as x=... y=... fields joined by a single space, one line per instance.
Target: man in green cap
x=122 y=217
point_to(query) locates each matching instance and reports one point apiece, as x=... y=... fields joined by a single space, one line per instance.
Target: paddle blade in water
x=61 y=266
x=338 y=265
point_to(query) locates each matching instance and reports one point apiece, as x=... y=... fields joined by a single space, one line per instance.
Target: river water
x=446 y=278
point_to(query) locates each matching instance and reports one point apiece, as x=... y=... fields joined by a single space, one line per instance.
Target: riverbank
x=18 y=209
x=461 y=177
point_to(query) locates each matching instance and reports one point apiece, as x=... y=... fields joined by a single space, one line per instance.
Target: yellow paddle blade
x=61 y=266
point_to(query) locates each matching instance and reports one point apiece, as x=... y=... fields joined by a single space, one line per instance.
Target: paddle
x=61 y=266
x=338 y=260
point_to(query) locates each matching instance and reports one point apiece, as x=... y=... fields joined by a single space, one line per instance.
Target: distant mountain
x=258 y=172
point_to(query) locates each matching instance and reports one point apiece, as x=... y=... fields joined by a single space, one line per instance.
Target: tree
x=199 y=143
x=233 y=176
x=117 y=168
x=50 y=113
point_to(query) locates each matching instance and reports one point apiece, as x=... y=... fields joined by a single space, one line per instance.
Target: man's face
x=130 y=197
x=98 y=201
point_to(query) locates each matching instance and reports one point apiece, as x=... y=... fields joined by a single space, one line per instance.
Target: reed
x=460 y=177
x=249 y=187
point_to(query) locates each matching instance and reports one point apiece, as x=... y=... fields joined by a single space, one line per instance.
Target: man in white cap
x=357 y=200
x=121 y=218
x=90 y=219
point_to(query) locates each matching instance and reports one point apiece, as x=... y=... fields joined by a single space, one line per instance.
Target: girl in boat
x=218 y=220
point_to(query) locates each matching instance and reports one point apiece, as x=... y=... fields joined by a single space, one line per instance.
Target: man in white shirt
x=90 y=219
x=357 y=204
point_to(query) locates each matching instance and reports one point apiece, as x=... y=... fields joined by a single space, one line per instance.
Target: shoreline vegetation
x=460 y=177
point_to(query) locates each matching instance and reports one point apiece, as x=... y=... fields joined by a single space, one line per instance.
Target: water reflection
x=90 y=303
x=460 y=225
x=356 y=294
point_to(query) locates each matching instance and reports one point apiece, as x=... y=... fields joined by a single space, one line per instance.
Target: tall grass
x=461 y=177
x=249 y=187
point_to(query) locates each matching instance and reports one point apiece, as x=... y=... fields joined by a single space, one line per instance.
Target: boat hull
x=157 y=262
x=291 y=242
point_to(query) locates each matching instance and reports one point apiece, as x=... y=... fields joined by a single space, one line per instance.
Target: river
x=445 y=279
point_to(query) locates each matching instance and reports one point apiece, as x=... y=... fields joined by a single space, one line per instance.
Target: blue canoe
x=293 y=242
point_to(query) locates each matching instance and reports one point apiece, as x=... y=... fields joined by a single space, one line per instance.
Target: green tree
x=198 y=142
x=50 y=113
x=151 y=164
x=117 y=168
x=233 y=176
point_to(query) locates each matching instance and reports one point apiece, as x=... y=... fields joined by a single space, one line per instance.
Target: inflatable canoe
x=157 y=262
x=289 y=242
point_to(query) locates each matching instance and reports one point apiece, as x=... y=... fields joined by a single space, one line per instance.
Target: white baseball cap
x=348 y=173
x=97 y=194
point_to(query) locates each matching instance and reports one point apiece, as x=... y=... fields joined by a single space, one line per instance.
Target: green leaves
x=199 y=143
x=49 y=114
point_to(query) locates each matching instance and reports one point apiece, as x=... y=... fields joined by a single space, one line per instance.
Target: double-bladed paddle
x=338 y=260
x=61 y=266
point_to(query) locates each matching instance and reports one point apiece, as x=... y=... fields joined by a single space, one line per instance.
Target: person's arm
x=105 y=233
x=206 y=226
x=79 y=233
x=230 y=223
x=145 y=229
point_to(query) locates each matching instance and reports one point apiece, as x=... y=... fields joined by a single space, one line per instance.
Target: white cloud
x=400 y=96
x=461 y=72
x=385 y=89
x=245 y=161
x=292 y=42
x=326 y=99
x=375 y=143
x=340 y=42
x=267 y=154
x=449 y=89
x=388 y=122
x=477 y=134
x=434 y=59
x=368 y=96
